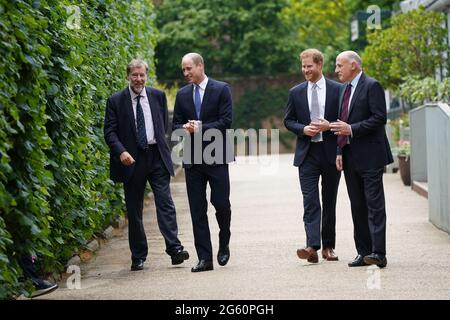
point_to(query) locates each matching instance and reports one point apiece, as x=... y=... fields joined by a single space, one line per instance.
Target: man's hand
x=339 y=165
x=322 y=125
x=311 y=130
x=196 y=124
x=192 y=126
x=341 y=128
x=189 y=127
x=126 y=159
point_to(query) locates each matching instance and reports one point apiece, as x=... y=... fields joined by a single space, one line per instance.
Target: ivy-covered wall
x=59 y=61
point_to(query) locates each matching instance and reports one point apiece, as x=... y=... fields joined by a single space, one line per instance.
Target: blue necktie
x=197 y=100
x=140 y=125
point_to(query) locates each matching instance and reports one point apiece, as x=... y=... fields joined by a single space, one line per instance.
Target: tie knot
x=138 y=97
x=314 y=86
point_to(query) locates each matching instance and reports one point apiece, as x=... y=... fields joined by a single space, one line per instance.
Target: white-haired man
x=363 y=151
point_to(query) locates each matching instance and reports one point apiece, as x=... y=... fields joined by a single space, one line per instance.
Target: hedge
x=56 y=73
x=259 y=104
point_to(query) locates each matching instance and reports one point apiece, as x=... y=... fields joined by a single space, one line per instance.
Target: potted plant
x=403 y=153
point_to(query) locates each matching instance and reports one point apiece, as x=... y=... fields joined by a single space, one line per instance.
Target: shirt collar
x=320 y=84
x=134 y=95
x=355 y=81
x=203 y=84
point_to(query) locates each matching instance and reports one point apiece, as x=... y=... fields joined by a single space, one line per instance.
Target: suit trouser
x=150 y=167
x=197 y=177
x=29 y=269
x=366 y=192
x=314 y=166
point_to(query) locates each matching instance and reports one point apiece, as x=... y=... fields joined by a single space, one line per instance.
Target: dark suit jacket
x=216 y=112
x=120 y=130
x=298 y=116
x=367 y=116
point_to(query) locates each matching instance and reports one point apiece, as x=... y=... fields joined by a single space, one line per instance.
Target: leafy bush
x=56 y=73
x=414 y=46
x=170 y=91
x=235 y=37
x=257 y=105
x=401 y=123
x=426 y=90
x=263 y=108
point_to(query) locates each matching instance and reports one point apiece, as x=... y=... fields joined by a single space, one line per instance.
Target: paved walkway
x=267 y=229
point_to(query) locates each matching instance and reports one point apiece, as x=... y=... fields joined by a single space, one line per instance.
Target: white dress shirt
x=354 y=83
x=149 y=129
x=202 y=86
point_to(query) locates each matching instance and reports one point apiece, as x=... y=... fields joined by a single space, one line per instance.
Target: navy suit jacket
x=298 y=116
x=216 y=113
x=120 y=130
x=367 y=116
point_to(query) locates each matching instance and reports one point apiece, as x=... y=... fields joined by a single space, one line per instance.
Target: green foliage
x=235 y=37
x=54 y=81
x=256 y=106
x=170 y=91
x=252 y=37
x=401 y=123
x=8 y=276
x=404 y=148
x=355 y=5
x=324 y=25
x=263 y=108
x=419 y=91
x=319 y=24
x=414 y=46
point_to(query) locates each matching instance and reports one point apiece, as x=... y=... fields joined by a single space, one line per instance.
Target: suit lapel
x=153 y=107
x=341 y=97
x=327 y=100
x=208 y=90
x=356 y=93
x=191 y=105
x=129 y=109
x=304 y=102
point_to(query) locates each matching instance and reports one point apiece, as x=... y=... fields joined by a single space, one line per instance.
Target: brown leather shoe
x=329 y=254
x=309 y=254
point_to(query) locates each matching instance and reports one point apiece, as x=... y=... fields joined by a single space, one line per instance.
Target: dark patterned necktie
x=140 y=125
x=341 y=139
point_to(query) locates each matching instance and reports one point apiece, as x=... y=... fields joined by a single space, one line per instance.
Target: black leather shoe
x=375 y=258
x=203 y=265
x=179 y=257
x=137 y=265
x=223 y=256
x=43 y=287
x=357 y=262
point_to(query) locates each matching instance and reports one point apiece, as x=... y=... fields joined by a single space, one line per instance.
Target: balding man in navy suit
x=204 y=106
